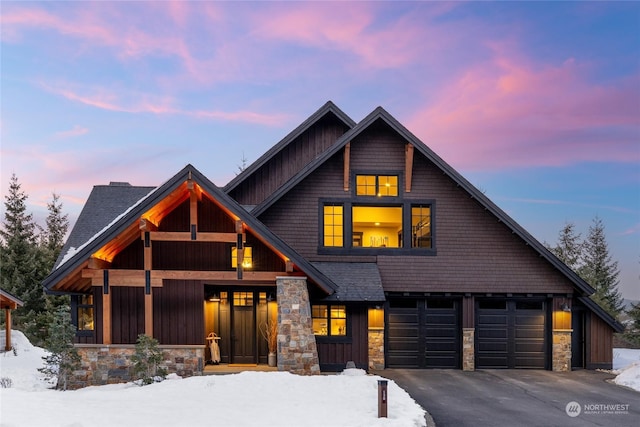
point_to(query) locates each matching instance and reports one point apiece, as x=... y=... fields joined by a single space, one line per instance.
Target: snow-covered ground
x=245 y=399
x=626 y=364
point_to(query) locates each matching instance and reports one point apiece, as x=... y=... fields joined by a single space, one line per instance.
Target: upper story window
x=377 y=226
x=333 y=224
x=421 y=236
x=377 y=185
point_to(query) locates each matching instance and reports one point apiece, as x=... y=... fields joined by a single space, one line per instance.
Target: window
x=377 y=185
x=333 y=225
x=85 y=313
x=377 y=226
x=421 y=226
x=329 y=320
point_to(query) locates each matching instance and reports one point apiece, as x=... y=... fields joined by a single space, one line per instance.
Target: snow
x=245 y=399
x=626 y=364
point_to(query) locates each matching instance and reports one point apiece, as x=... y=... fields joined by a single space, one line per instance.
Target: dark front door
x=243 y=328
x=577 y=337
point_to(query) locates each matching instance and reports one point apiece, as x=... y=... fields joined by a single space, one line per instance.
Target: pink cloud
x=76 y=131
x=353 y=30
x=143 y=103
x=510 y=112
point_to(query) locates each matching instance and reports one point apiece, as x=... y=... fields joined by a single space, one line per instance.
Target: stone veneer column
x=297 y=351
x=376 y=349
x=561 y=353
x=468 y=349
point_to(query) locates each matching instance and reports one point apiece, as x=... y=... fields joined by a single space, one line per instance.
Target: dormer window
x=377 y=185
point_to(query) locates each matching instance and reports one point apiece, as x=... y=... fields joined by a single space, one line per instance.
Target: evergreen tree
x=51 y=242
x=21 y=269
x=64 y=357
x=633 y=329
x=599 y=270
x=146 y=361
x=569 y=247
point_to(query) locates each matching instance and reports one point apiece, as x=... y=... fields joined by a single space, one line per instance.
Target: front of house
x=359 y=241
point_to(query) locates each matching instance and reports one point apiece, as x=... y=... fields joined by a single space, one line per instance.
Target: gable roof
x=381 y=114
x=8 y=300
x=328 y=108
x=104 y=204
x=74 y=257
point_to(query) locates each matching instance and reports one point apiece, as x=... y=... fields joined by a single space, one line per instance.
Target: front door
x=243 y=330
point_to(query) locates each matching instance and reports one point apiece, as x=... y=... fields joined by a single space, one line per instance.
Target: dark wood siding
x=197 y=256
x=213 y=219
x=484 y=254
x=178 y=309
x=127 y=314
x=599 y=344
x=132 y=257
x=289 y=161
x=334 y=353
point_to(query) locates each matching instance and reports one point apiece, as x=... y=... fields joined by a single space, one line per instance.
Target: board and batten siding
x=178 y=312
x=599 y=343
x=289 y=161
x=127 y=314
x=334 y=354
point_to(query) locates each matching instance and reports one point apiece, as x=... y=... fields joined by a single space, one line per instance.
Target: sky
x=535 y=103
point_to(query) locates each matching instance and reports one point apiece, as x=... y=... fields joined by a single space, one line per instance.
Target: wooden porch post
x=148 y=292
x=7 y=325
x=106 y=309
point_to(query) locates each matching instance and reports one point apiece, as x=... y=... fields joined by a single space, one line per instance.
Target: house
x=8 y=302
x=356 y=238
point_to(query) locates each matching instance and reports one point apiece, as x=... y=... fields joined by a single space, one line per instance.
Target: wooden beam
x=185 y=236
x=289 y=266
x=347 y=160
x=408 y=167
x=136 y=278
x=193 y=204
x=146 y=225
x=98 y=264
x=239 y=227
x=148 y=255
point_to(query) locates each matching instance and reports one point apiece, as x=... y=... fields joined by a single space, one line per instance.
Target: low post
x=382 y=398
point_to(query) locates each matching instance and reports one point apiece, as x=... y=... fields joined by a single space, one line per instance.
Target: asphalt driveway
x=519 y=397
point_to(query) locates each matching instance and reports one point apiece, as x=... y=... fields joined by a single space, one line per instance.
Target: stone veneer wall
x=297 y=351
x=561 y=353
x=111 y=364
x=376 y=349
x=468 y=349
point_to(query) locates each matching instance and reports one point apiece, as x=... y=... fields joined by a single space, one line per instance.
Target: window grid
x=333 y=225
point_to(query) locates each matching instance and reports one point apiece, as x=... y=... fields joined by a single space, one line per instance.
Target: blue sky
x=536 y=103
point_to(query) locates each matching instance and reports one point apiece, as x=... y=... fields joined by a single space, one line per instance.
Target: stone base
x=468 y=349
x=111 y=364
x=561 y=353
x=376 y=349
x=297 y=350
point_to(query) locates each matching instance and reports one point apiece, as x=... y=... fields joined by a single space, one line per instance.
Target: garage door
x=424 y=333
x=510 y=334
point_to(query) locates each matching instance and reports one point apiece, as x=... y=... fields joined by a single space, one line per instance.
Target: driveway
x=519 y=397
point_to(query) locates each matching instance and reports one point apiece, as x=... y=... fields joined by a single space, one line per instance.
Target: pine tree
x=64 y=357
x=21 y=269
x=569 y=247
x=51 y=243
x=633 y=329
x=146 y=361
x=599 y=270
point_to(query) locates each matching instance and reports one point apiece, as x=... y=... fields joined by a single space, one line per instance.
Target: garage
x=510 y=334
x=424 y=333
